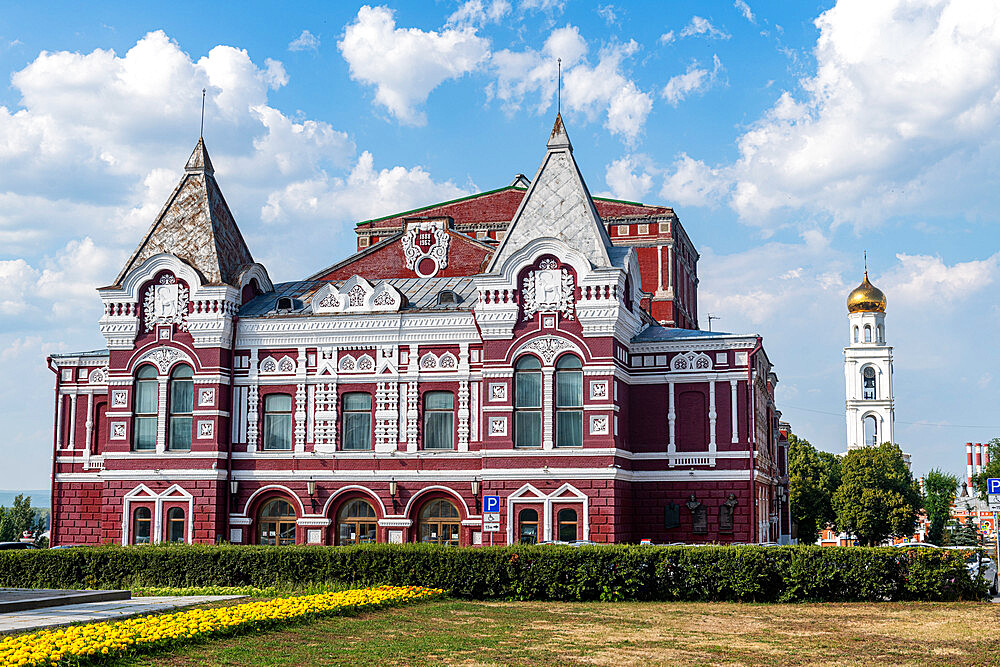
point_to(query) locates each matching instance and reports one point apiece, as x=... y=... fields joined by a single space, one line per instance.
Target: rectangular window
x=145 y=432
x=439 y=420
x=278 y=421
x=528 y=402
x=357 y=422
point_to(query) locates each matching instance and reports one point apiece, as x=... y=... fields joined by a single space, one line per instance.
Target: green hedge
x=744 y=573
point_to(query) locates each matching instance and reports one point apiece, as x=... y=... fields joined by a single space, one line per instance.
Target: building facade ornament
x=165 y=302
x=547 y=347
x=425 y=247
x=548 y=289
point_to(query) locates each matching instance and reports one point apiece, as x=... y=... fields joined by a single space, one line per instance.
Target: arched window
x=142 y=524
x=528 y=402
x=175 y=525
x=277 y=523
x=278 y=421
x=181 y=407
x=439 y=420
x=439 y=523
x=569 y=402
x=871 y=431
x=356 y=523
x=527 y=526
x=868 y=333
x=868 y=387
x=855 y=334
x=147 y=389
x=566 y=520
x=881 y=334
x=357 y=425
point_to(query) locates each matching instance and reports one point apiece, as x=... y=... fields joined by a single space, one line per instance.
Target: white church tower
x=868 y=368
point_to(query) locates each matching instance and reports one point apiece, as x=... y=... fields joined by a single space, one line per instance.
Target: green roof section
x=481 y=194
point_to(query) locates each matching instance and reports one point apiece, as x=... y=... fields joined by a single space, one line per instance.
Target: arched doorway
x=439 y=523
x=277 y=523
x=356 y=523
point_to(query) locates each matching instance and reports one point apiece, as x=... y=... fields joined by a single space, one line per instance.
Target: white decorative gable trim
x=272 y=366
x=98 y=376
x=425 y=246
x=357 y=295
x=691 y=362
x=548 y=348
x=446 y=362
x=163 y=357
x=363 y=364
x=165 y=302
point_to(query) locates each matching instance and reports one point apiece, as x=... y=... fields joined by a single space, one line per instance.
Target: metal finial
x=866 y=265
x=559 y=94
x=201 y=134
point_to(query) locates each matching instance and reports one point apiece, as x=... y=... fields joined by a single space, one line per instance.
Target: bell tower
x=868 y=369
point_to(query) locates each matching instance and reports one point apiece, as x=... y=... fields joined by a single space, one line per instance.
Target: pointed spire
x=199 y=162
x=866 y=265
x=558 y=138
x=196 y=225
x=557 y=205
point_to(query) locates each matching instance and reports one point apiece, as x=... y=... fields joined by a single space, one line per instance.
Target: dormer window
x=447 y=297
x=286 y=304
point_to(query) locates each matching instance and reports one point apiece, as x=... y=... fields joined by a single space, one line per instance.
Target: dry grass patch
x=618 y=634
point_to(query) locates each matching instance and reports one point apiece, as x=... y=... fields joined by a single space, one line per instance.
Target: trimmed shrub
x=709 y=573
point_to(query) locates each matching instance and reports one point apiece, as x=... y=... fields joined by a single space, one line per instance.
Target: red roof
x=500 y=206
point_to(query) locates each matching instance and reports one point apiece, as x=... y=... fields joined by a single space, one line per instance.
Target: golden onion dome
x=866 y=298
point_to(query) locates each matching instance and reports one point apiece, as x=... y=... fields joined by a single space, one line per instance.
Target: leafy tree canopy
x=877 y=497
x=992 y=470
x=939 y=493
x=813 y=477
x=19 y=518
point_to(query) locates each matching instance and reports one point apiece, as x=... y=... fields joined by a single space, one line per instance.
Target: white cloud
x=304 y=42
x=607 y=12
x=405 y=65
x=365 y=193
x=17 y=278
x=903 y=112
x=630 y=177
x=547 y=6
x=702 y=27
x=479 y=13
x=924 y=279
x=693 y=183
x=745 y=10
x=694 y=80
x=667 y=37
x=597 y=90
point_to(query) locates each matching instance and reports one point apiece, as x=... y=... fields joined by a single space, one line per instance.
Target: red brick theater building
x=531 y=342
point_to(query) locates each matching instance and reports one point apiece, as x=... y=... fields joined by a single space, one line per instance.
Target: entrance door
x=440 y=523
x=277 y=523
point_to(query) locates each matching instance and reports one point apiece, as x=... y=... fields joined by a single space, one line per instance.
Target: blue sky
x=789 y=137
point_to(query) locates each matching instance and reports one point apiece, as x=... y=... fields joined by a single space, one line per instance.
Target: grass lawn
x=549 y=633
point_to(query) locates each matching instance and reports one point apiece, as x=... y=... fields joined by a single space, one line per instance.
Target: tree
x=813 y=476
x=877 y=497
x=939 y=493
x=18 y=519
x=966 y=535
x=992 y=470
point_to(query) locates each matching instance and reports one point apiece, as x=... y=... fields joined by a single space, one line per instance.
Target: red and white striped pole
x=979 y=457
x=968 y=463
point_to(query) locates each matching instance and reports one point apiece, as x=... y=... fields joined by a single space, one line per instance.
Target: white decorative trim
x=206 y=396
x=599 y=425
x=165 y=303
x=598 y=389
x=143 y=494
x=98 y=376
x=498 y=392
x=547 y=347
x=119 y=398
x=163 y=357
x=437 y=249
x=691 y=361
x=451 y=492
x=356 y=295
x=206 y=429
x=548 y=289
x=498 y=427
x=272 y=487
x=119 y=431
x=529 y=494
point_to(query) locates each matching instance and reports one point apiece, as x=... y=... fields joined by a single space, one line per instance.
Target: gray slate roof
x=420 y=293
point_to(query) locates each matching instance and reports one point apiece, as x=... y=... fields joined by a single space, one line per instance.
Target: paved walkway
x=89 y=612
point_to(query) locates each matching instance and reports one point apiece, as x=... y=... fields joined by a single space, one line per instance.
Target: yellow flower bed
x=81 y=644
